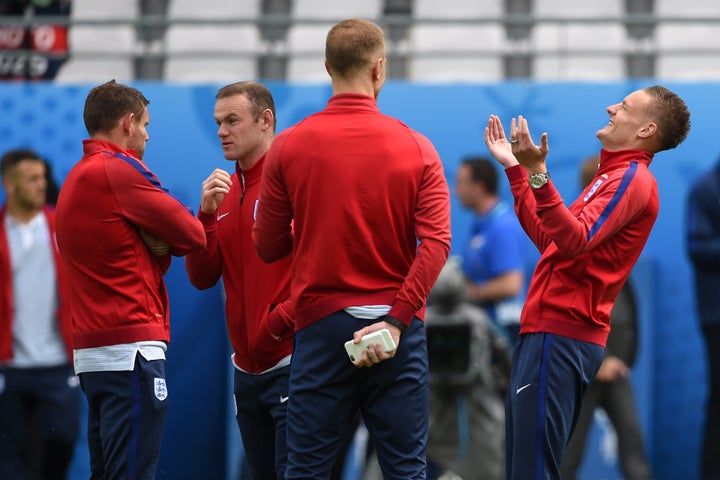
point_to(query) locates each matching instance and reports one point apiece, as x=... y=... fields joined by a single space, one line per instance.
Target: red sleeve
x=613 y=205
x=204 y=266
x=272 y=231
x=615 y=202
x=432 y=227
x=151 y=208
x=280 y=321
x=526 y=207
x=163 y=262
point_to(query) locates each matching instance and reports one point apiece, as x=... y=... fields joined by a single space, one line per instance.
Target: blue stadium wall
x=201 y=439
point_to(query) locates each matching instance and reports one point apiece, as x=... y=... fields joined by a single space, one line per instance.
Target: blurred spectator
x=30 y=50
x=39 y=392
x=703 y=245
x=467 y=383
x=53 y=189
x=493 y=259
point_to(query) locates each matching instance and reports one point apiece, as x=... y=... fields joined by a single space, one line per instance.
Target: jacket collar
x=356 y=101
x=93 y=146
x=611 y=159
x=252 y=174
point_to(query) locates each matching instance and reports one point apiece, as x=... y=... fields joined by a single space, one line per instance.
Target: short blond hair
x=352 y=45
x=671 y=115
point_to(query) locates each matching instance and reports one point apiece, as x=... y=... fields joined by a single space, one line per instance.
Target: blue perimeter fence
x=201 y=438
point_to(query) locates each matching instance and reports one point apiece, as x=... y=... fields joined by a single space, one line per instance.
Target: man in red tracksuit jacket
x=6 y=296
x=369 y=207
x=116 y=229
x=256 y=293
x=39 y=391
x=588 y=251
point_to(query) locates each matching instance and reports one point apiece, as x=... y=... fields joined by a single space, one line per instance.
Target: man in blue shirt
x=493 y=258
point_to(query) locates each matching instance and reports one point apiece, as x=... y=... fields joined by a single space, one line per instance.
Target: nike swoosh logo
x=220 y=217
x=520 y=389
x=283 y=399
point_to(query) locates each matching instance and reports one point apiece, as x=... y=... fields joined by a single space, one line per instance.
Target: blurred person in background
x=53 y=188
x=612 y=389
x=469 y=367
x=117 y=227
x=703 y=247
x=259 y=320
x=492 y=259
x=39 y=392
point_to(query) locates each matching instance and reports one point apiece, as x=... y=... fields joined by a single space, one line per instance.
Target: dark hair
x=13 y=157
x=483 y=170
x=260 y=97
x=106 y=104
x=671 y=114
x=588 y=170
x=353 y=44
x=52 y=191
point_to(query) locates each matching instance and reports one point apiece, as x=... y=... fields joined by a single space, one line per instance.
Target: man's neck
x=358 y=86
x=485 y=205
x=253 y=157
x=113 y=137
x=22 y=215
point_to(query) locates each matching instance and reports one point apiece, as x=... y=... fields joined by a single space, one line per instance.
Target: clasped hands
x=518 y=147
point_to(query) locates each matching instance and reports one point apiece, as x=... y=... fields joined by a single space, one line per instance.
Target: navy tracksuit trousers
x=327 y=391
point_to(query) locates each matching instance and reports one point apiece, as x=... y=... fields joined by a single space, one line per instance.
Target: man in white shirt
x=39 y=392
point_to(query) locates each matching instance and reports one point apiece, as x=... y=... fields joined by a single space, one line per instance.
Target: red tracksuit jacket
x=252 y=287
x=117 y=290
x=588 y=249
x=370 y=206
x=6 y=292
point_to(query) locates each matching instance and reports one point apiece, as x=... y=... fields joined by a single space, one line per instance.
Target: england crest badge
x=160 y=389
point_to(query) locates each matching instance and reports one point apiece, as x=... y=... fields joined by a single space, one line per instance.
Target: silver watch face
x=537 y=180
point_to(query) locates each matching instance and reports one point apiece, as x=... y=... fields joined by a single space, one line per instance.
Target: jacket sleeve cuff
x=546 y=195
x=403 y=312
x=280 y=322
x=516 y=173
x=207 y=219
x=395 y=322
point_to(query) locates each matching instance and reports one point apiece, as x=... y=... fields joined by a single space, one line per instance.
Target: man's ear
x=648 y=130
x=378 y=66
x=8 y=185
x=266 y=117
x=127 y=122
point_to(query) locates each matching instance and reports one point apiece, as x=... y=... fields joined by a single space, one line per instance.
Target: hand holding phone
x=383 y=337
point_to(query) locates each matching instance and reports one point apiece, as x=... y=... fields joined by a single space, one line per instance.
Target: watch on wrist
x=538 y=180
x=394 y=321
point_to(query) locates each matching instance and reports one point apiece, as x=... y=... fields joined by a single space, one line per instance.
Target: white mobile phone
x=383 y=337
